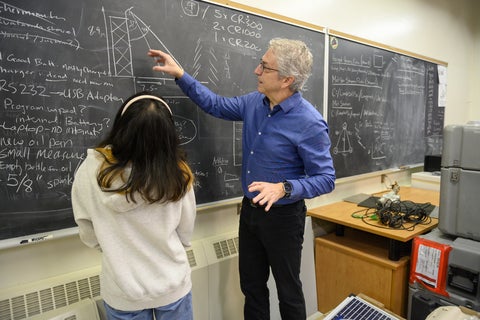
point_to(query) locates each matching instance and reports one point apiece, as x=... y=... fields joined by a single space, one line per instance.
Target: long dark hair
x=144 y=141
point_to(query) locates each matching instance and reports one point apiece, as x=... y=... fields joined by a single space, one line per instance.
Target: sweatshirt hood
x=114 y=200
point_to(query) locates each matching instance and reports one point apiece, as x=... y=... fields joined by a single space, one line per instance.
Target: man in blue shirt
x=286 y=159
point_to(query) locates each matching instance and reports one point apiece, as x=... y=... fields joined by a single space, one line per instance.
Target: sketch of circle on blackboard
x=186 y=129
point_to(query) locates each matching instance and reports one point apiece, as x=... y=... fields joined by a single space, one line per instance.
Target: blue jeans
x=273 y=240
x=179 y=310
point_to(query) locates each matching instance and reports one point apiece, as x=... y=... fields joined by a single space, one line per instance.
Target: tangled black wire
x=403 y=215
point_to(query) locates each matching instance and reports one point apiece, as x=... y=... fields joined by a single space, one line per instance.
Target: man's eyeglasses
x=263 y=67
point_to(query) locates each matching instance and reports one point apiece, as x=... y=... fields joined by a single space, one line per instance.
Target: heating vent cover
x=27 y=301
x=226 y=248
x=191 y=258
x=221 y=247
x=33 y=299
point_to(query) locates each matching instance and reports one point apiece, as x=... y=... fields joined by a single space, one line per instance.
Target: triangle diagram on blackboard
x=125 y=33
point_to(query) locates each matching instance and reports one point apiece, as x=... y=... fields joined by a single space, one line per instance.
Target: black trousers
x=272 y=239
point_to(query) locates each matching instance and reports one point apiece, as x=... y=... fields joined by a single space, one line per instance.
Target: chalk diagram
x=130 y=28
x=124 y=31
x=343 y=145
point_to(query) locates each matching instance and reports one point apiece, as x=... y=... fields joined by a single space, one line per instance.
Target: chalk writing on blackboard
x=65 y=68
x=380 y=107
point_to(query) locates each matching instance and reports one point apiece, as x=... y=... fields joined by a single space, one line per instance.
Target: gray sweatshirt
x=144 y=263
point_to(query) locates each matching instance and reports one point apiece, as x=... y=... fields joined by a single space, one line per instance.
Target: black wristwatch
x=287 y=188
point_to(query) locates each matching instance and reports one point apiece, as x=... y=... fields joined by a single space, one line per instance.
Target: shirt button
x=269 y=115
x=259 y=133
x=251 y=152
x=248 y=171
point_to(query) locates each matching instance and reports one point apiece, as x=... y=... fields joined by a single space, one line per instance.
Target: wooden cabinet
x=358 y=263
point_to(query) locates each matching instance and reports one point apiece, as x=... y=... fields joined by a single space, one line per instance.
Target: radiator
x=42 y=297
x=216 y=286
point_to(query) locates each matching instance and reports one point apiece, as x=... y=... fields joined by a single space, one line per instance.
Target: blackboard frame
x=33 y=237
x=379 y=45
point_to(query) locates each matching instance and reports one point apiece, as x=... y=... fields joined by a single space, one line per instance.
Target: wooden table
x=340 y=213
x=367 y=258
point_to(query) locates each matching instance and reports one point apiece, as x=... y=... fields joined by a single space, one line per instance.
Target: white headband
x=145 y=96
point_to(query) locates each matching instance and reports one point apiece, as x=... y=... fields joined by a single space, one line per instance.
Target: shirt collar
x=287 y=104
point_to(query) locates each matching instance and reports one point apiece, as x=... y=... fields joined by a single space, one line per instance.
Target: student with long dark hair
x=133 y=199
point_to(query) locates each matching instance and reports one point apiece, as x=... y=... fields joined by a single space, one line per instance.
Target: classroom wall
x=440 y=29
x=474 y=110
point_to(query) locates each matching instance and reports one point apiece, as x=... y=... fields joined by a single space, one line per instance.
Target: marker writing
x=36 y=239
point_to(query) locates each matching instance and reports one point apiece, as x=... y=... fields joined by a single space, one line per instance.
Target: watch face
x=287 y=186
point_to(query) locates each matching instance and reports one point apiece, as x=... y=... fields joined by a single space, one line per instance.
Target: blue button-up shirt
x=289 y=143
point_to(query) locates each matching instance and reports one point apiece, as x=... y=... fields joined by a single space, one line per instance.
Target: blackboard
x=382 y=108
x=66 y=66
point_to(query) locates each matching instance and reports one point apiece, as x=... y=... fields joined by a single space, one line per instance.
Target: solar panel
x=356 y=308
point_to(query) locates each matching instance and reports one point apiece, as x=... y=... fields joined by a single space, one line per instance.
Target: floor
x=316 y=316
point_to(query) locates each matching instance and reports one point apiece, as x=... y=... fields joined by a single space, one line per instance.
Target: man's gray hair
x=293 y=59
